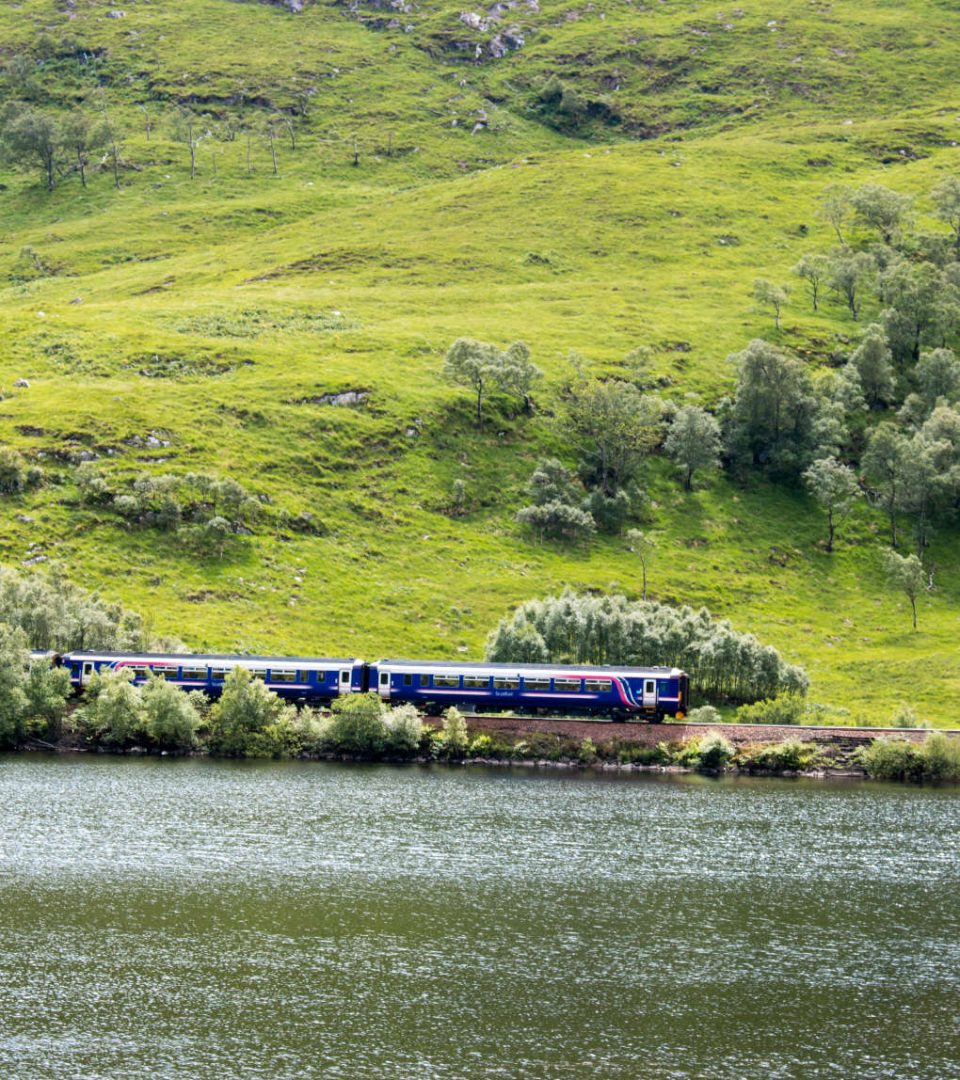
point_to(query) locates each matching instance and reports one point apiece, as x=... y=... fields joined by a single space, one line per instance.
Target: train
x=618 y=693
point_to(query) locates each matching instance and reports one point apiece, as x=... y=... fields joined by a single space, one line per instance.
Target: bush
x=113 y=712
x=403 y=730
x=13 y=471
x=704 y=714
x=241 y=715
x=905 y=716
x=714 y=751
x=782 y=710
x=480 y=745
x=455 y=738
x=891 y=759
x=588 y=752
x=638 y=754
x=940 y=757
x=358 y=725
x=791 y=755
x=170 y=715
x=47 y=689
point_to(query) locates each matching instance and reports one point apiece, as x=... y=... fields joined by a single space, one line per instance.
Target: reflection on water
x=199 y=919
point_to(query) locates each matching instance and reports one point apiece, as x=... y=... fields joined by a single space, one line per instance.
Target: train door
x=346 y=681
x=649 y=693
x=384 y=686
x=88 y=670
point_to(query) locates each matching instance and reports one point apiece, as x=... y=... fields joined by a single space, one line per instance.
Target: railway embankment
x=678 y=732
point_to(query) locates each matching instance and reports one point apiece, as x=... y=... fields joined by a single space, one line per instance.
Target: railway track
x=677 y=731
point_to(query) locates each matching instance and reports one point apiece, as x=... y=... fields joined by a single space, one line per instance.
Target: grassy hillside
x=184 y=325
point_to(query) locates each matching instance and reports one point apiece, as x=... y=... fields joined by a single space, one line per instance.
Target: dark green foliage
x=247 y=719
x=785 y=709
x=358 y=725
x=722 y=663
x=791 y=755
x=112 y=711
x=170 y=716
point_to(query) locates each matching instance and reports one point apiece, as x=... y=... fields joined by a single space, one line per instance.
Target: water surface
x=201 y=919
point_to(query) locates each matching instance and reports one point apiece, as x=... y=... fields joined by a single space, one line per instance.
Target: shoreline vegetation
x=362 y=728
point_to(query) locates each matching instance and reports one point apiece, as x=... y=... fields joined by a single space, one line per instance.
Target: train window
x=597 y=686
x=446 y=680
x=218 y=674
x=506 y=684
x=282 y=675
x=408 y=680
x=423 y=680
x=536 y=684
x=567 y=686
x=140 y=671
x=166 y=671
x=476 y=682
x=303 y=676
x=194 y=674
x=258 y=673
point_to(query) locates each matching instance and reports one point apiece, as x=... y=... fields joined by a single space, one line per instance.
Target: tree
x=938 y=376
x=112 y=136
x=170 y=718
x=271 y=131
x=82 y=135
x=774 y=408
x=814 y=270
x=14 y=661
x=557 y=520
x=643 y=546
x=766 y=292
x=113 y=709
x=552 y=482
x=474 y=364
x=358 y=725
x=187 y=130
x=874 y=364
x=884 y=464
x=29 y=136
x=920 y=301
x=848 y=271
x=693 y=442
x=216 y=533
x=518 y=373
x=47 y=689
x=946 y=202
x=244 y=709
x=834 y=486
x=835 y=208
x=617 y=426
x=879 y=208
x=905 y=574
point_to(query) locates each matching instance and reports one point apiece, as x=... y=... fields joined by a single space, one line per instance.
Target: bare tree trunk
x=273 y=154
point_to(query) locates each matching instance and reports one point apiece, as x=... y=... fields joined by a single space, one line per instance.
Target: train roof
x=215 y=658
x=469 y=667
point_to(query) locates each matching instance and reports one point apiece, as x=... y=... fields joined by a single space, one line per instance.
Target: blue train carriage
x=293 y=677
x=620 y=693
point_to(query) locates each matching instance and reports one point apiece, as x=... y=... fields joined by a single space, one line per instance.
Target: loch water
x=202 y=919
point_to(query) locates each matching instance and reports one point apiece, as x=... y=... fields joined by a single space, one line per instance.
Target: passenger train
x=432 y=685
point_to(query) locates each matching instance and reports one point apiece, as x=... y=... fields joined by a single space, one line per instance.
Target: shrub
x=358 y=725
x=170 y=716
x=113 y=712
x=403 y=730
x=891 y=759
x=13 y=471
x=782 y=710
x=588 y=752
x=245 y=709
x=905 y=716
x=940 y=756
x=704 y=714
x=714 y=751
x=480 y=745
x=47 y=689
x=790 y=755
x=455 y=736
x=638 y=754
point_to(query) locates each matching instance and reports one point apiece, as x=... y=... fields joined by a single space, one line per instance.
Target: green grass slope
x=197 y=325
